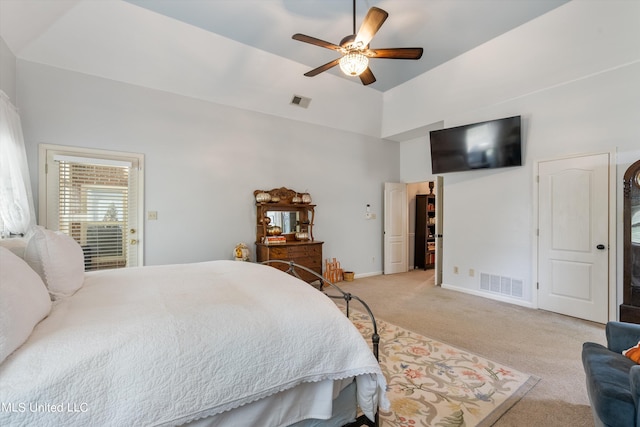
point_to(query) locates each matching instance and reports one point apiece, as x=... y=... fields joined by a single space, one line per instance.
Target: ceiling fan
x=354 y=48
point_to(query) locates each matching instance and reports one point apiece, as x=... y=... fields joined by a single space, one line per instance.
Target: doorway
x=574 y=240
x=95 y=197
x=400 y=224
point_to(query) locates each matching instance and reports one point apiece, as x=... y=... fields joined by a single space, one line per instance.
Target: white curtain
x=16 y=201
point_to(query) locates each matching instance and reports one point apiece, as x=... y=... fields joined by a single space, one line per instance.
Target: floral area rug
x=433 y=384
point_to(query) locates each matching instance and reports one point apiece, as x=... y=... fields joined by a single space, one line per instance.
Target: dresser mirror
x=630 y=309
x=288 y=221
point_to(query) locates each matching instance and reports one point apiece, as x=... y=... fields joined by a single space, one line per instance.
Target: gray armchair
x=613 y=380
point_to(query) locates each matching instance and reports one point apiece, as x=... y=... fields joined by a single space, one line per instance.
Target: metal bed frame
x=361 y=420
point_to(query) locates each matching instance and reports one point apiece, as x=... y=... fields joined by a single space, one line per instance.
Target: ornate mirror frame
x=288 y=201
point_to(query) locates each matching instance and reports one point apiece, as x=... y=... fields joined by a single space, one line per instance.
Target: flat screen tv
x=484 y=145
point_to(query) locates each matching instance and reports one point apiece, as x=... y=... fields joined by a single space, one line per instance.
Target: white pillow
x=24 y=301
x=17 y=245
x=58 y=259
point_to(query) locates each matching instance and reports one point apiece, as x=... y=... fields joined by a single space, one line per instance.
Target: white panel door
x=573 y=236
x=395 y=228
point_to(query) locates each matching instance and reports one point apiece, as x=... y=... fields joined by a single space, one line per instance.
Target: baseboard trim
x=360 y=275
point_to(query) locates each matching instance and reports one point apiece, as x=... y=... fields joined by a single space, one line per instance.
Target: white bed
x=219 y=343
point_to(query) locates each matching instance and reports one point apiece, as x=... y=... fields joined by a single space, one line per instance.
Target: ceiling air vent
x=300 y=101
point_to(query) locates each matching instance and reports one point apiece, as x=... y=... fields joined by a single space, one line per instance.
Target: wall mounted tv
x=484 y=145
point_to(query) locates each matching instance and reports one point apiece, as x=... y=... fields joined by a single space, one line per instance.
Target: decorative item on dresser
x=284 y=230
x=241 y=252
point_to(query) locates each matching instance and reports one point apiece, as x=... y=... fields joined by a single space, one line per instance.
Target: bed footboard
x=362 y=420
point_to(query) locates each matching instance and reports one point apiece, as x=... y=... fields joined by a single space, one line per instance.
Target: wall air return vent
x=501 y=285
x=300 y=101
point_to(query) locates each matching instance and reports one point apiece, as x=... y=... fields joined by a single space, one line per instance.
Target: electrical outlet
x=152 y=215
x=472 y=272
x=455 y=269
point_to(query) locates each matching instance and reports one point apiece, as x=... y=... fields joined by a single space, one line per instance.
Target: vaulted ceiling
x=444 y=28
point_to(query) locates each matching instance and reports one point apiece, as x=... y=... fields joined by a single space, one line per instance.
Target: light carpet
x=434 y=384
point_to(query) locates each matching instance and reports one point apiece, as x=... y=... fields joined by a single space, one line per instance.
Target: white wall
x=7 y=71
x=204 y=160
x=573 y=76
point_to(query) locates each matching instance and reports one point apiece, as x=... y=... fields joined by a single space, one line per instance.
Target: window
x=93 y=196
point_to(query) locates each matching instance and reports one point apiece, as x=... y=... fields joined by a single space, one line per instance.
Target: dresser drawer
x=297 y=251
x=307 y=250
x=314 y=250
x=313 y=263
x=278 y=252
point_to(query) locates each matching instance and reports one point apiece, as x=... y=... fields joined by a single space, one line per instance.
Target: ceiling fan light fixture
x=354 y=63
x=355 y=48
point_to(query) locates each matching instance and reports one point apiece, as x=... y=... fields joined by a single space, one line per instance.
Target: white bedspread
x=165 y=345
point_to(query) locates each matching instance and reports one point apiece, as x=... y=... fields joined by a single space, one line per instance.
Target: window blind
x=94 y=209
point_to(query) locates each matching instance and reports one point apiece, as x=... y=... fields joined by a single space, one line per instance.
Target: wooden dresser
x=287 y=216
x=308 y=254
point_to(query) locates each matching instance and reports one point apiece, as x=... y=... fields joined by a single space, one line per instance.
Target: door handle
x=600 y=247
x=133 y=242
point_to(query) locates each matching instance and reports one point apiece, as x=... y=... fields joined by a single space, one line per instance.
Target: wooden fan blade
x=367 y=77
x=396 y=53
x=315 y=41
x=370 y=26
x=322 y=68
